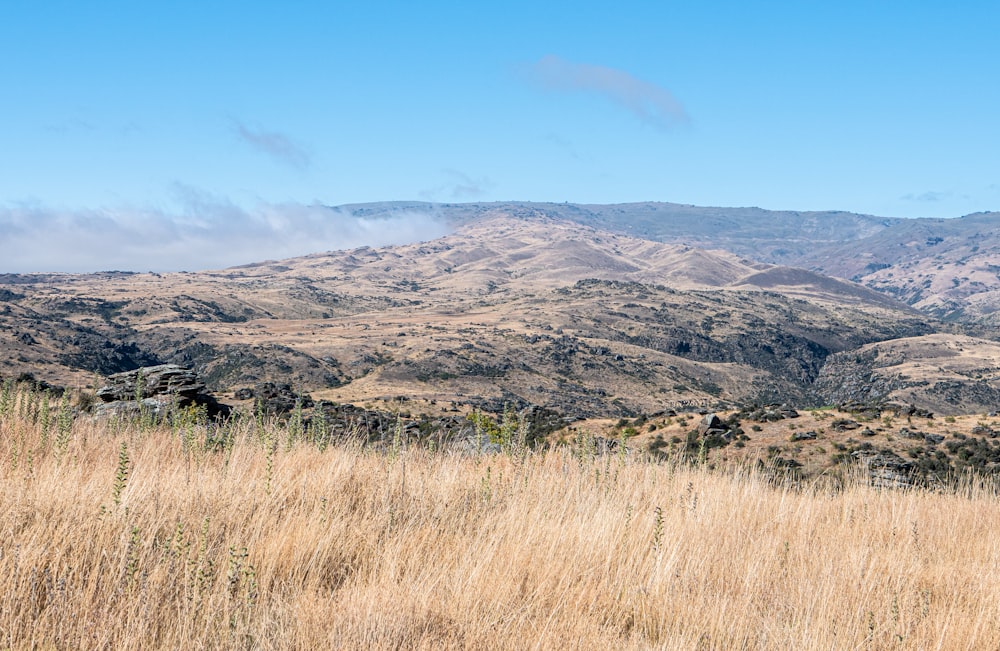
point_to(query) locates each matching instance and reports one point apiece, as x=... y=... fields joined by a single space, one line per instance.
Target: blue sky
x=184 y=120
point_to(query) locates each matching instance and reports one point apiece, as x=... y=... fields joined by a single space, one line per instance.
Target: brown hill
x=945 y=373
x=505 y=309
x=945 y=267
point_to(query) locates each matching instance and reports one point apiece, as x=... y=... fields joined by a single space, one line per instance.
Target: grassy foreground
x=130 y=537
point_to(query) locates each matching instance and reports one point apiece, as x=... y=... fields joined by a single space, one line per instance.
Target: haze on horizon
x=193 y=135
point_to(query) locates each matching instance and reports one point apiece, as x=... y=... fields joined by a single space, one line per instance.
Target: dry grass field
x=257 y=536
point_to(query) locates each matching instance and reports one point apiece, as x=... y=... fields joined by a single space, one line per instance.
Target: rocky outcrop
x=151 y=381
x=768 y=413
x=714 y=432
x=346 y=421
x=865 y=410
x=907 y=411
x=155 y=389
x=29 y=379
x=854 y=377
x=711 y=424
x=844 y=425
x=541 y=421
x=885 y=469
x=274 y=398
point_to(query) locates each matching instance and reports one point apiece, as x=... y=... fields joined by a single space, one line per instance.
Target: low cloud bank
x=205 y=233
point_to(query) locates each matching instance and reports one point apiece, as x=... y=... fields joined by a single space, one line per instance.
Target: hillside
x=939 y=372
x=947 y=268
x=509 y=308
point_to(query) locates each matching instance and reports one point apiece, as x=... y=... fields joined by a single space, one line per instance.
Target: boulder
x=844 y=424
x=910 y=411
x=711 y=424
x=787 y=412
x=885 y=469
x=984 y=430
x=804 y=436
x=475 y=445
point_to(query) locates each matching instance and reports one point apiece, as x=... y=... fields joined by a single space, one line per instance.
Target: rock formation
x=157 y=389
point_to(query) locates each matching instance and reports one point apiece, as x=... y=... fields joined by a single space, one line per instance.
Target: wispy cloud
x=464 y=186
x=459 y=186
x=203 y=232
x=275 y=145
x=70 y=126
x=563 y=144
x=652 y=104
x=927 y=197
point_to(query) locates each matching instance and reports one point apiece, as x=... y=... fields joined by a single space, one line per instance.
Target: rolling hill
x=513 y=306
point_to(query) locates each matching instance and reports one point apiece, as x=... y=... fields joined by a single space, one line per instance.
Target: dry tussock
x=161 y=543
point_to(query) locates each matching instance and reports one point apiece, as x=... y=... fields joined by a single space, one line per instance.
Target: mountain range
x=611 y=311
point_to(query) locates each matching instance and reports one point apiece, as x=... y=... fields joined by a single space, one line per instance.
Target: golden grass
x=353 y=548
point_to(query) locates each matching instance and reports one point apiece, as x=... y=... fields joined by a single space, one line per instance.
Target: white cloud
x=205 y=232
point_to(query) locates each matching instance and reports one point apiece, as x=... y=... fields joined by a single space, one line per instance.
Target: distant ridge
x=948 y=268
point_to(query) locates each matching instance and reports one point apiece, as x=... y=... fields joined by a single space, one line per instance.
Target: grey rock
x=161 y=380
x=541 y=421
x=984 y=430
x=770 y=413
x=475 y=445
x=910 y=411
x=711 y=423
x=862 y=409
x=276 y=399
x=161 y=388
x=845 y=424
x=885 y=469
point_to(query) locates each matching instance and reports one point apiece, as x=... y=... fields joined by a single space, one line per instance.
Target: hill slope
x=505 y=309
x=945 y=267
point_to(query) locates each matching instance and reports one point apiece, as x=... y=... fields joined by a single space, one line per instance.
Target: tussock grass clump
x=131 y=537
